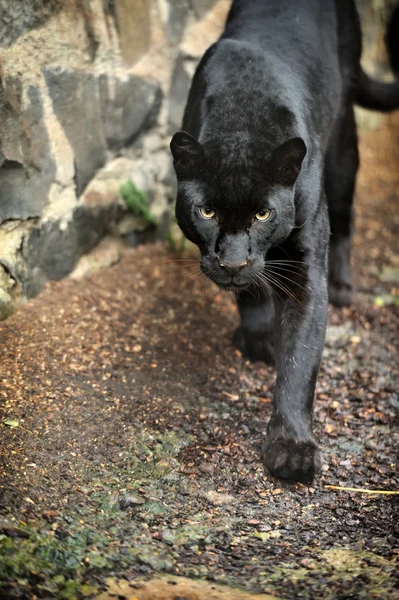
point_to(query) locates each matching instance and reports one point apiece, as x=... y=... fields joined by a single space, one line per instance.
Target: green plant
x=137 y=202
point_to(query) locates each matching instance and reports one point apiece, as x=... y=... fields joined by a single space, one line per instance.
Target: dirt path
x=131 y=431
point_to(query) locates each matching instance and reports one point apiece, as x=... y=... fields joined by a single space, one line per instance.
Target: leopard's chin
x=233 y=287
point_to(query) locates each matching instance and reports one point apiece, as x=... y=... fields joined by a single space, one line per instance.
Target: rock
x=133 y=23
x=95 y=114
x=18 y=17
x=205 y=32
x=27 y=168
x=76 y=103
x=178 y=94
x=108 y=252
x=100 y=114
x=103 y=190
x=130 y=224
x=201 y=7
x=218 y=498
x=53 y=251
x=24 y=192
x=128 y=106
x=174 y=14
x=131 y=500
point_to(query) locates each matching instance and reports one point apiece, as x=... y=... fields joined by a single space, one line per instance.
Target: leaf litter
x=145 y=467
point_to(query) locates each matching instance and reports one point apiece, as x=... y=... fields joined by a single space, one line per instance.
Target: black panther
x=266 y=164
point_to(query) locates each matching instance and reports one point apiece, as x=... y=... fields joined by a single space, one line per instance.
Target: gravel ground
x=131 y=433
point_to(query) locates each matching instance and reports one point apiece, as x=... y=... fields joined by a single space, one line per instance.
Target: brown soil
x=131 y=434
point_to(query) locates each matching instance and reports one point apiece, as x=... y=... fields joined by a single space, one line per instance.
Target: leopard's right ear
x=287 y=160
x=187 y=151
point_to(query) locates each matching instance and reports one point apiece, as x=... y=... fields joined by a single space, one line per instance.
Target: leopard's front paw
x=254 y=345
x=290 y=459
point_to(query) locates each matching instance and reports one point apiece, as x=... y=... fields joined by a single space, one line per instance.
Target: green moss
x=60 y=560
x=358 y=573
x=375 y=572
x=189 y=534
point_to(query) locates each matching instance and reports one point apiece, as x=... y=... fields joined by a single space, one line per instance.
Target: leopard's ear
x=287 y=161
x=187 y=151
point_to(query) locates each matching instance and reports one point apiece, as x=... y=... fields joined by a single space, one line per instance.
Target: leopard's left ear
x=187 y=151
x=287 y=161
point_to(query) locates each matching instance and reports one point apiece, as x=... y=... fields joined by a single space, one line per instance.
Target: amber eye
x=263 y=215
x=207 y=213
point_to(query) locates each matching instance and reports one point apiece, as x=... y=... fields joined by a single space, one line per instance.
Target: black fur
x=269 y=131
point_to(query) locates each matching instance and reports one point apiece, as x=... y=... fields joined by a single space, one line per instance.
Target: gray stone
x=127 y=501
x=52 y=252
x=23 y=193
x=75 y=98
x=14 y=143
x=20 y=16
x=97 y=114
x=127 y=107
x=201 y=7
x=178 y=94
x=100 y=113
x=176 y=13
x=27 y=168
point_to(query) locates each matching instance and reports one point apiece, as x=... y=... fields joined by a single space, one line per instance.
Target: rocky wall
x=83 y=108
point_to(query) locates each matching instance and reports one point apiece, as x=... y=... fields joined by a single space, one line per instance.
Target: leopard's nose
x=233 y=268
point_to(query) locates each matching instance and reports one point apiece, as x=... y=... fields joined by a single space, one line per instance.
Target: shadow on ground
x=131 y=434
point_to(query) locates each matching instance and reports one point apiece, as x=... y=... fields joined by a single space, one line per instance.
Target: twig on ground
x=362 y=490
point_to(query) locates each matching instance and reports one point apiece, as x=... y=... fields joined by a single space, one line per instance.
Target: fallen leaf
x=11 y=423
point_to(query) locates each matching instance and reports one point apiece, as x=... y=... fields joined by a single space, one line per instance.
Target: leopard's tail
x=378 y=95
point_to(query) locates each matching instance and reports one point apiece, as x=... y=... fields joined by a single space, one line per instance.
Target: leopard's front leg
x=290 y=451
